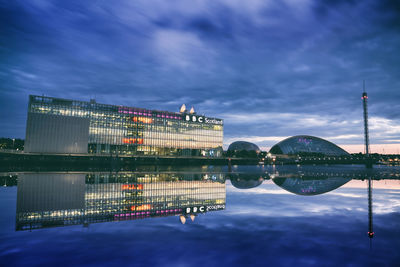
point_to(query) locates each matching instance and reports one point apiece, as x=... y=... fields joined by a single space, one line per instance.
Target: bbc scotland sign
x=202 y=119
x=202 y=209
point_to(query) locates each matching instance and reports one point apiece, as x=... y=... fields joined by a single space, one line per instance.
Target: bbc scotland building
x=64 y=126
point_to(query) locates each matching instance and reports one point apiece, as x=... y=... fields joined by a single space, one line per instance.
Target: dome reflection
x=309 y=185
x=247 y=180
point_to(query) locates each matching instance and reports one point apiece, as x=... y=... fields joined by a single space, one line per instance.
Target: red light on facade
x=142 y=119
x=129 y=140
x=141 y=208
x=144 y=207
x=132 y=187
x=132 y=140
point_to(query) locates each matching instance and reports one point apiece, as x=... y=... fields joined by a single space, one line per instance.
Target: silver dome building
x=243 y=145
x=304 y=144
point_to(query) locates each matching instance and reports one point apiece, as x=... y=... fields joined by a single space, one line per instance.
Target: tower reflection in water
x=60 y=199
x=319 y=183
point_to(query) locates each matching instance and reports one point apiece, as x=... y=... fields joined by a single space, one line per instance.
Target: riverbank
x=35 y=161
x=17 y=160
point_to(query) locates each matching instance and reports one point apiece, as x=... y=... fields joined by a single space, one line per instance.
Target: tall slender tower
x=366 y=133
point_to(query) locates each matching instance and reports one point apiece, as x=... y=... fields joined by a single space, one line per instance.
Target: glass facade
x=137 y=131
x=307 y=145
x=60 y=199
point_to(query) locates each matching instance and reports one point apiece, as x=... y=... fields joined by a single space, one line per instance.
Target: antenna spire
x=364 y=86
x=366 y=132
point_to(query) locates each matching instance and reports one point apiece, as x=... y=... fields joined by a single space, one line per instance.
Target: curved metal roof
x=243 y=145
x=307 y=144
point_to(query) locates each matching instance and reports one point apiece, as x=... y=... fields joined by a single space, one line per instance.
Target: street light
x=13 y=143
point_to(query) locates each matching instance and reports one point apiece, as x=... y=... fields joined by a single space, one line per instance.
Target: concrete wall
x=56 y=134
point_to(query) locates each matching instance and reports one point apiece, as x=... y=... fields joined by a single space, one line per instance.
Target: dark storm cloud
x=264 y=59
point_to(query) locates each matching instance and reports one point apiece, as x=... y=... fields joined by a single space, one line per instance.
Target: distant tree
x=9 y=143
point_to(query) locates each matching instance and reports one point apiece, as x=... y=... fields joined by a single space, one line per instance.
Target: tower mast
x=366 y=133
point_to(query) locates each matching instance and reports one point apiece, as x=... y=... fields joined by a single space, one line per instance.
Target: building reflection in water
x=309 y=185
x=60 y=199
x=247 y=180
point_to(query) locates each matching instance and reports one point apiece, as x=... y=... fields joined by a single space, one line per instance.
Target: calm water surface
x=210 y=216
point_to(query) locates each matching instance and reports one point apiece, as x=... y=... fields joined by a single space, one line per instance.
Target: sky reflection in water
x=264 y=225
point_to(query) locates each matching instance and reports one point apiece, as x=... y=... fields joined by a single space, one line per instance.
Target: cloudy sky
x=270 y=69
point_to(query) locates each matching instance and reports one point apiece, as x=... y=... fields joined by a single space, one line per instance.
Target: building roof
x=243 y=145
x=305 y=144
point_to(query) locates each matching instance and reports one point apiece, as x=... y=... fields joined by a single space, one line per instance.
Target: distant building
x=57 y=125
x=243 y=145
x=307 y=145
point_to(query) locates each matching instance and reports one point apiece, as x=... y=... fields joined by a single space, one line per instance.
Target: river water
x=202 y=216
